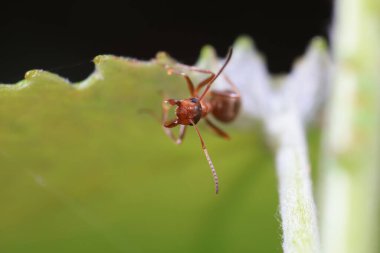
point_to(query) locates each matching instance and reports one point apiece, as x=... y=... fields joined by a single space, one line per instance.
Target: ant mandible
x=224 y=105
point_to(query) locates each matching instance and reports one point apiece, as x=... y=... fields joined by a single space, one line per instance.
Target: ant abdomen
x=225 y=104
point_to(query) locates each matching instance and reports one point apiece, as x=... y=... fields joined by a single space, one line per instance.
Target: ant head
x=188 y=110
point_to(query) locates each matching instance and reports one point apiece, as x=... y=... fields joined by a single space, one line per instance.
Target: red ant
x=224 y=105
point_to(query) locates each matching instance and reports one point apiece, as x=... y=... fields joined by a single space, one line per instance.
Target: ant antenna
x=229 y=54
x=213 y=171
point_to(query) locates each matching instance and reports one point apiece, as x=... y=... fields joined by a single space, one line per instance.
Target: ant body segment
x=224 y=105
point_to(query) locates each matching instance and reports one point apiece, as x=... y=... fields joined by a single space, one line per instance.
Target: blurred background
x=96 y=176
x=64 y=36
x=83 y=171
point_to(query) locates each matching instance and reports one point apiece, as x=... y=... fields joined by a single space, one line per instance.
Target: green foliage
x=83 y=170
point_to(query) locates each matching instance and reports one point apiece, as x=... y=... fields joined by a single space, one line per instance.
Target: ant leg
x=172 y=102
x=232 y=84
x=204 y=82
x=192 y=68
x=213 y=171
x=182 y=130
x=190 y=84
x=217 y=130
x=171 y=124
x=167 y=125
x=212 y=75
x=203 y=71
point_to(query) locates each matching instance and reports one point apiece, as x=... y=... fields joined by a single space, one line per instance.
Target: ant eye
x=194 y=100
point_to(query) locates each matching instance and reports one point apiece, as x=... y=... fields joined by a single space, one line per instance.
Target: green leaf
x=83 y=170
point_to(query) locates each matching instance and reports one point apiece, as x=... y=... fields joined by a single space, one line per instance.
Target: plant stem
x=297 y=208
x=350 y=163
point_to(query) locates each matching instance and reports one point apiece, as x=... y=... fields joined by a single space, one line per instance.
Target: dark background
x=64 y=36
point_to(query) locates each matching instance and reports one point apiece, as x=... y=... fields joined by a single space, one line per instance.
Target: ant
x=224 y=105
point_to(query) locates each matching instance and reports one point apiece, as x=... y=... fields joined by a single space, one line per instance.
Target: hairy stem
x=297 y=208
x=350 y=163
